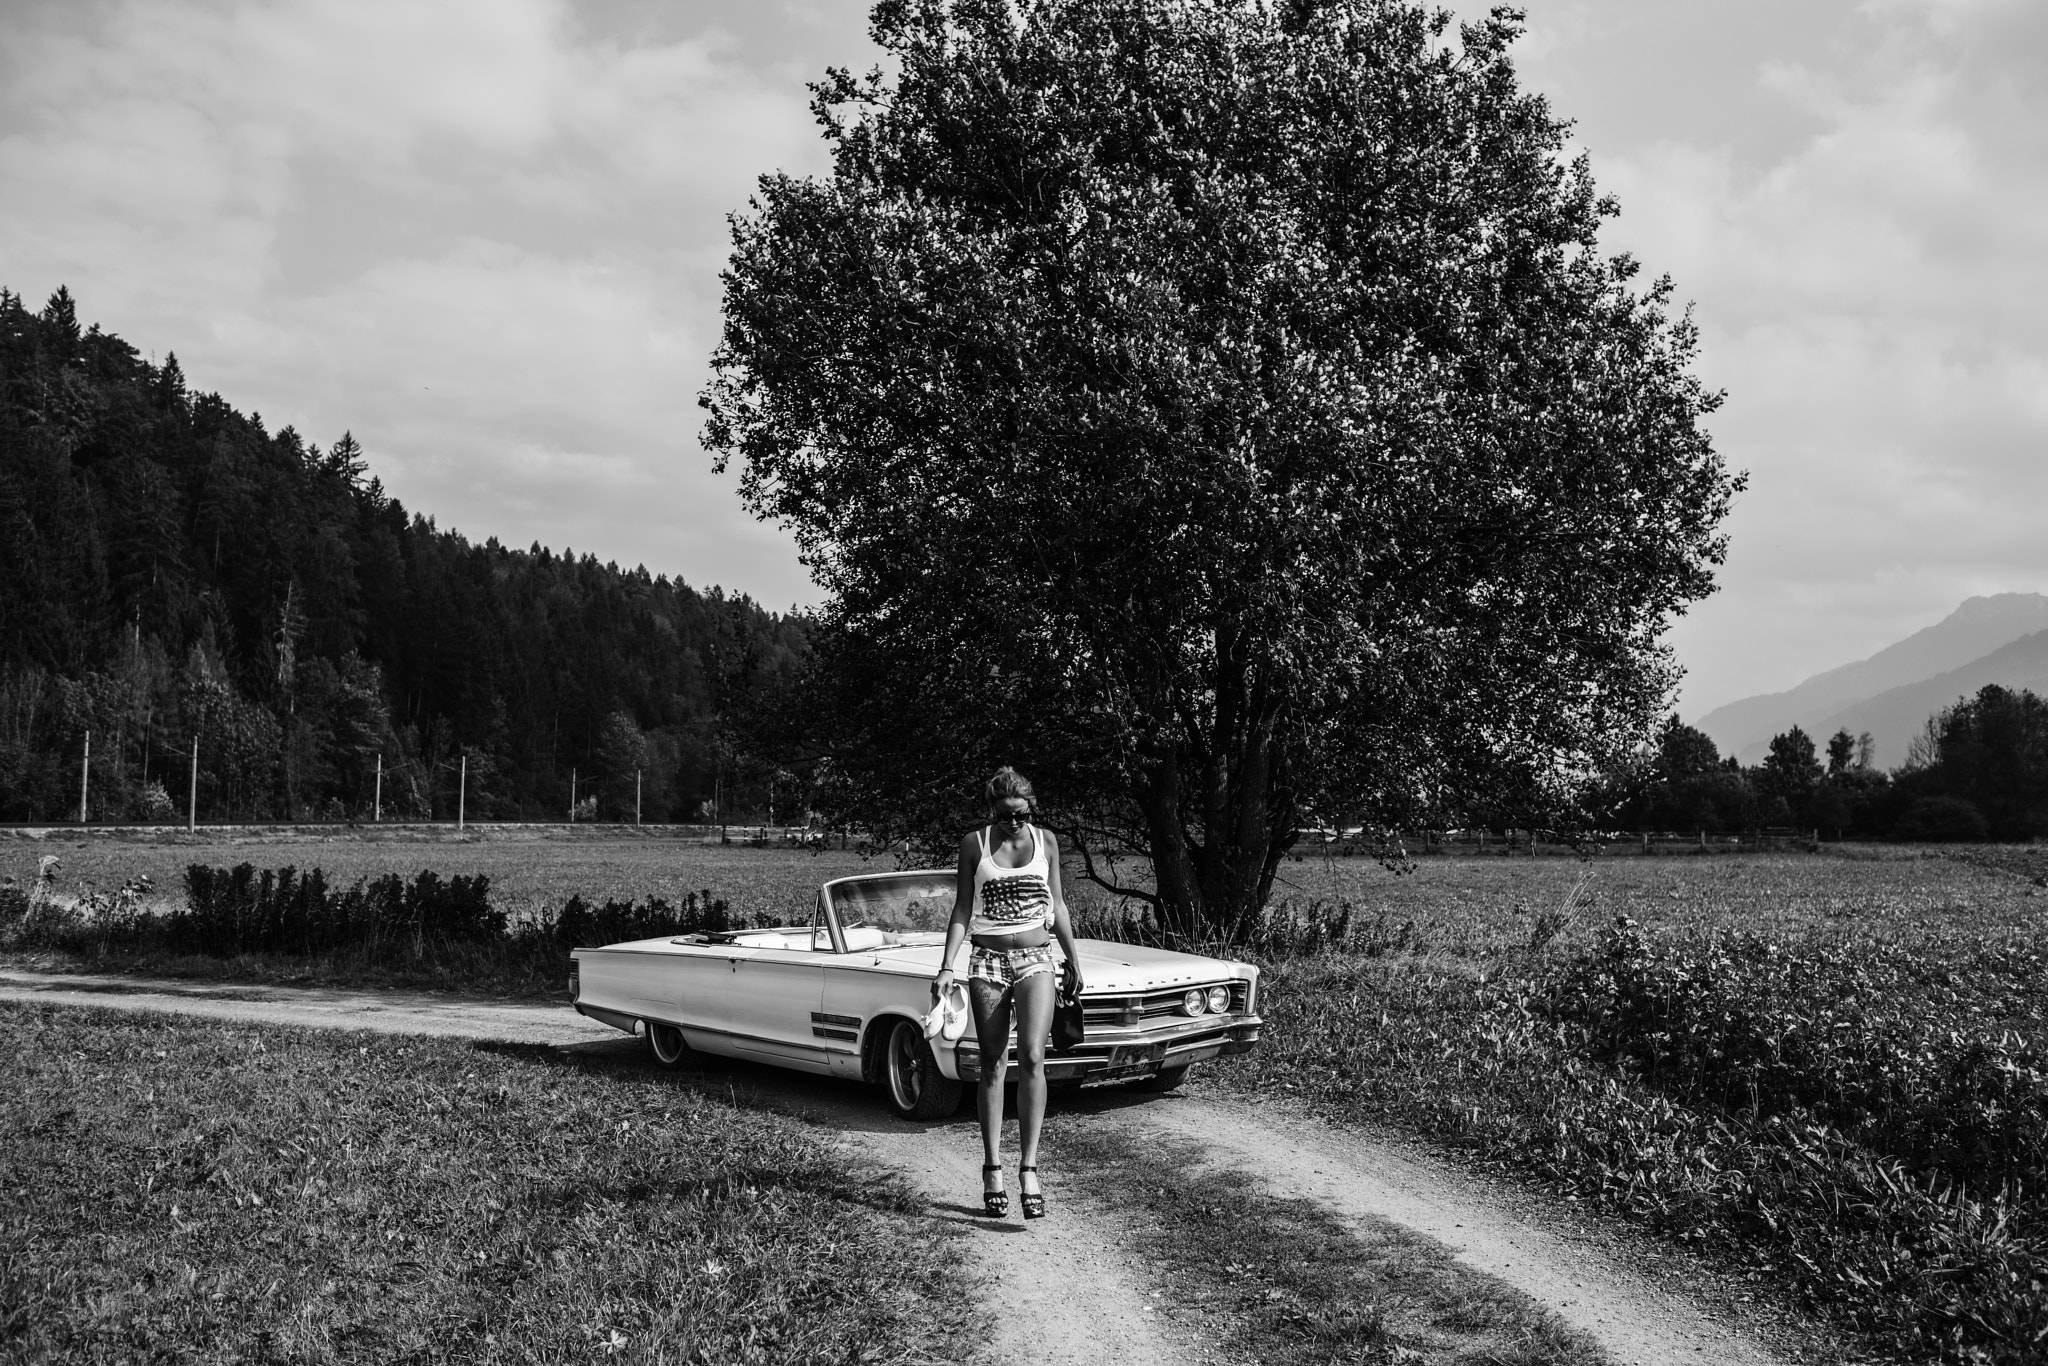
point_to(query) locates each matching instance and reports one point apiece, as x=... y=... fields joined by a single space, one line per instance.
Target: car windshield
x=902 y=902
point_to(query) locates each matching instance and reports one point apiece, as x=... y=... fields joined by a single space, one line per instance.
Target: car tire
x=911 y=1077
x=1165 y=1079
x=667 y=1044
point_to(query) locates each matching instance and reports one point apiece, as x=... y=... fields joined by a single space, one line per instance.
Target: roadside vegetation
x=529 y=869
x=177 y=1188
x=493 y=914
x=277 y=923
x=1827 y=1073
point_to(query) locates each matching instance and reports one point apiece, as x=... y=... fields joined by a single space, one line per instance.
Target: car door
x=772 y=994
x=682 y=984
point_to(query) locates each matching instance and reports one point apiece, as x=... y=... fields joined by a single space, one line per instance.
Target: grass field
x=528 y=867
x=177 y=1190
x=1480 y=907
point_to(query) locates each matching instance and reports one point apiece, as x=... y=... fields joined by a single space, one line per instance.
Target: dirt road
x=1061 y=1291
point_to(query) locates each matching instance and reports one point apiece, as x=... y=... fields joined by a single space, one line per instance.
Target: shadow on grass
x=833 y=1102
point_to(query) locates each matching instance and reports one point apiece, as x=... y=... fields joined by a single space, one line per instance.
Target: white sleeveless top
x=1010 y=899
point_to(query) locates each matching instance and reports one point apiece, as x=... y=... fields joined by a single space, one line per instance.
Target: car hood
x=1107 y=966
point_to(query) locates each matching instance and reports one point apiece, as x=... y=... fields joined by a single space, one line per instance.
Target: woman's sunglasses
x=1013 y=817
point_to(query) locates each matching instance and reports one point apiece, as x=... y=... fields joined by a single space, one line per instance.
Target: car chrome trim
x=843 y=1021
x=847 y=1034
x=1211 y=1039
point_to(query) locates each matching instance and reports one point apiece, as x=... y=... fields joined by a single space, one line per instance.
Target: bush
x=1941 y=820
x=234 y=911
x=443 y=927
x=581 y=925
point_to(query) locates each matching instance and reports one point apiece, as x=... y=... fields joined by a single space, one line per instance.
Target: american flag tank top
x=1010 y=899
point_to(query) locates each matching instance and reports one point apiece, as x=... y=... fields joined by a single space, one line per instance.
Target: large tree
x=1222 y=410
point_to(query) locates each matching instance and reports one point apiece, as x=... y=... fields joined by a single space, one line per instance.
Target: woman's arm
x=963 y=910
x=1062 y=926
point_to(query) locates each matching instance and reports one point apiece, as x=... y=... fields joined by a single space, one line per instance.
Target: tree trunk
x=1215 y=885
x=1173 y=874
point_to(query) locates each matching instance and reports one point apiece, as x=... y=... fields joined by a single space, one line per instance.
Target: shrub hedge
x=442 y=928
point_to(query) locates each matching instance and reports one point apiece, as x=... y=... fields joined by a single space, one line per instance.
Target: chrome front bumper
x=1112 y=1054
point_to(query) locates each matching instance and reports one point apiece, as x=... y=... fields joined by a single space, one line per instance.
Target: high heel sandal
x=996 y=1202
x=1033 y=1201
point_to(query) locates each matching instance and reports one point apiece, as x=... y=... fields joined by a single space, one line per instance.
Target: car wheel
x=667 y=1043
x=911 y=1076
x=1165 y=1079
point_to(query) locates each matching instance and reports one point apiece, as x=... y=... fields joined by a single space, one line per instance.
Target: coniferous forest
x=172 y=570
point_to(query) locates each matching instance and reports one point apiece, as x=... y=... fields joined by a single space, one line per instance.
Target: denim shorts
x=1007 y=967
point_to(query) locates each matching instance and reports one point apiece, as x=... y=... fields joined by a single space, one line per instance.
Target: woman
x=1007 y=898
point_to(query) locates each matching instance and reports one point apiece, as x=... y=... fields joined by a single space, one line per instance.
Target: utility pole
x=377 y=802
x=84 y=776
x=636 y=796
x=462 y=796
x=192 y=801
x=572 y=796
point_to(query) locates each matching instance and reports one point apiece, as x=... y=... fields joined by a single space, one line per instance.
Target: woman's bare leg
x=1034 y=996
x=992 y=1032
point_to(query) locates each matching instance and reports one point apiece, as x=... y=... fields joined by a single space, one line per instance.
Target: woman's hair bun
x=1007 y=783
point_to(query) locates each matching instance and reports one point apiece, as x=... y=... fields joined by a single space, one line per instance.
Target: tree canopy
x=1224 y=412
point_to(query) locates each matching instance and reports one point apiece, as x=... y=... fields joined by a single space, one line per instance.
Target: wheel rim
x=667 y=1041
x=906 y=1068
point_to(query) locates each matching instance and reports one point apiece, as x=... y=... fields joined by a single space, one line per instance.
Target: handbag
x=1067 y=1027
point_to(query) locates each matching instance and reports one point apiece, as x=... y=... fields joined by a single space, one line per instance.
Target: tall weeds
x=1867 y=1120
x=443 y=930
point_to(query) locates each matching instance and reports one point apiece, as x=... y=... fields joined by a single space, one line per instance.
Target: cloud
x=482 y=234
x=1856 y=197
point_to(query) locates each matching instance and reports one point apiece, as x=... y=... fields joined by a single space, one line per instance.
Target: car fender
x=877 y=1028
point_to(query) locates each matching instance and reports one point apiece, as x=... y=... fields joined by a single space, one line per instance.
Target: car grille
x=1163 y=1005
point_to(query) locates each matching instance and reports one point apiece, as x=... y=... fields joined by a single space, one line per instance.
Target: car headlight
x=1195 y=1002
x=1219 y=1000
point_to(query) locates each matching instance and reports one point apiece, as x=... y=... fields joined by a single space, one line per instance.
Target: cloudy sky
x=485 y=236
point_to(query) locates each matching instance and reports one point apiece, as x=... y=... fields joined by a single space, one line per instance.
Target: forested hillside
x=171 y=569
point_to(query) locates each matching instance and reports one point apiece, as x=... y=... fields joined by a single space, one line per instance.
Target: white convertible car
x=847 y=994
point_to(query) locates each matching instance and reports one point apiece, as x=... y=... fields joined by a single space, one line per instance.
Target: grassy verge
x=280 y=925
x=478 y=975
x=1283 y=1282
x=182 y=1189
x=1854 y=1107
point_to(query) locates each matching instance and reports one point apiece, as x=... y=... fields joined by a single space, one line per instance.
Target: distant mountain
x=1972 y=632
x=1896 y=716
